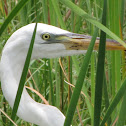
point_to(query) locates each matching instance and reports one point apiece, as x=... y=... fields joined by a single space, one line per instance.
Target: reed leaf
x=13 y=13
x=100 y=71
x=114 y=103
x=58 y=13
x=23 y=76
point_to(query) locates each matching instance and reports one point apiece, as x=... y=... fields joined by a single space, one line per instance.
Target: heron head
x=51 y=41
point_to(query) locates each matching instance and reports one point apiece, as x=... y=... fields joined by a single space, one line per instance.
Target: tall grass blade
x=106 y=97
x=57 y=84
x=122 y=114
x=23 y=77
x=114 y=103
x=92 y=86
x=100 y=71
x=51 y=85
x=122 y=13
x=23 y=15
x=12 y=14
x=45 y=11
x=58 y=13
x=79 y=83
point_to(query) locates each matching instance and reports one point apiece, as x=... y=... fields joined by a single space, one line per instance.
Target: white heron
x=50 y=42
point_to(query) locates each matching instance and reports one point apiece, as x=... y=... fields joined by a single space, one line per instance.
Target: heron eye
x=46 y=36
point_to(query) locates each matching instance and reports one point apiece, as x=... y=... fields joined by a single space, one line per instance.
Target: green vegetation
x=102 y=80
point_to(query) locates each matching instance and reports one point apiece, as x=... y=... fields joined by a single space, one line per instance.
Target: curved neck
x=11 y=69
x=29 y=110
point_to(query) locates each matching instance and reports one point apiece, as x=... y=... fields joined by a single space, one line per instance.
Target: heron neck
x=10 y=70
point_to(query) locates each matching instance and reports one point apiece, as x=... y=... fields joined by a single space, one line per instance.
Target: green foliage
x=100 y=70
x=47 y=76
x=12 y=14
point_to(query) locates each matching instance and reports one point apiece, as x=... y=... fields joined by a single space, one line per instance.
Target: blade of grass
x=23 y=15
x=87 y=101
x=78 y=19
x=23 y=77
x=12 y=14
x=100 y=71
x=57 y=84
x=45 y=11
x=122 y=114
x=122 y=13
x=112 y=53
x=3 y=113
x=62 y=87
x=4 y=121
x=53 y=16
x=114 y=103
x=85 y=89
x=92 y=20
x=93 y=71
x=45 y=79
x=117 y=31
x=58 y=13
x=115 y=77
x=51 y=85
x=106 y=97
x=79 y=83
x=69 y=77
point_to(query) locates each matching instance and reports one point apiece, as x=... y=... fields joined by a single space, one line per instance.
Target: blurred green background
x=47 y=76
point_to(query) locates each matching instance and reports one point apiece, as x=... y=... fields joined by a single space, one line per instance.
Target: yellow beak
x=81 y=42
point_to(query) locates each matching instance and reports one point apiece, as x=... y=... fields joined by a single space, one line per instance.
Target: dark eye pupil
x=46 y=36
